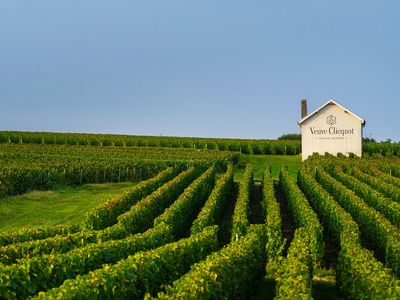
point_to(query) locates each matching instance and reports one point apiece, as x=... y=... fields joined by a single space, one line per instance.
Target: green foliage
x=61 y=244
x=295 y=273
x=42 y=167
x=25 y=235
x=387 y=207
x=141 y=273
x=41 y=273
x=226 y=274
x=241 y=214
x=336 y=219
x=290 y=137
x=140 y=217
x=375 y=229
x=384 y=148
x=386 y=174
x=106 y=214
x=392 y=168
x=212 y=210
x=389 y=190
x=361 y=276
x=184 y=210
x=63 y=262
x=260 y=162
x=111 y=140
x=56 y=244
x=114 y=232
x=303 y=215
x=22 y=176
x=272 y=211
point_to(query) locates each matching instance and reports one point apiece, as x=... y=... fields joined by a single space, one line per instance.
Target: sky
x=196 y=68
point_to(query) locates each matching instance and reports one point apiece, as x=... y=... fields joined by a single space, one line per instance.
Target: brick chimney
x=303 y=108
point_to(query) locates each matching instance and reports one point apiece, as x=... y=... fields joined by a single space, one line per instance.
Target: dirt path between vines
x=288 y=226
x=257 y=215
x=225 y=229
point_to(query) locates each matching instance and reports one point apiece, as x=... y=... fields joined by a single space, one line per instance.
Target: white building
x=331 y=128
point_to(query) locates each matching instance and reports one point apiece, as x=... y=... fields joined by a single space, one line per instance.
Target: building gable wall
x=331 y=130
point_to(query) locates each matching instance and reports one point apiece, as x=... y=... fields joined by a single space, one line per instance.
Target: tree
x=290 y=137
x=369 y=140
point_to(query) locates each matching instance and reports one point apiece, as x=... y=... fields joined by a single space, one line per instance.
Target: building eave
x=330 y=102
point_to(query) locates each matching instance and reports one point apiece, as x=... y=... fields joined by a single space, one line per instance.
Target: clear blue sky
x=196 y=68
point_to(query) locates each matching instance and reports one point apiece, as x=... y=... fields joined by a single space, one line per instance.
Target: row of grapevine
x=240 y=145
x=57 y=244
x=40 y=273
x=361 y=275
x=60 y=243
x=125 y=280
x=387 y=189
x=212 y=209
x=26 y=235
x=271 y=209
x=20 y=179
x=140 y=221
x=106 y=214
x=241 y=214
x=16 y=180
x=183 y=211
x=374 y=171
x=389 y=166
x=375 y=229
x=42 y=153
x=387 y=207
x=155 y=207
x=141 y=215
x=395 y=170
x=295 y=273
x=50 y=270
x=225 y=274
x=141 y=246
x=384 y=148
x=303 y=215
x=19 y=172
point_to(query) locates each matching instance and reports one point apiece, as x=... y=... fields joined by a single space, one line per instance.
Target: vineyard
x=26 y=167
x=247 y=146
x=240 y=145
x=192 y=228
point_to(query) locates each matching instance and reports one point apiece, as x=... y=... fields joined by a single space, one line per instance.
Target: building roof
x=331 y=101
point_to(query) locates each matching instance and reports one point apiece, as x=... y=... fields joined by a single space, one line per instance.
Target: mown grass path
x=65 y=206
x=276 y=162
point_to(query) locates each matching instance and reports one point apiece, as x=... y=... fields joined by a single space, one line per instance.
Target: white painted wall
x=345 y=136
